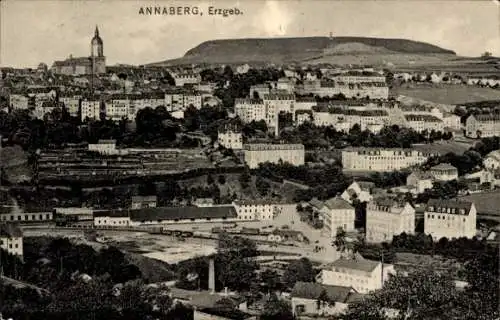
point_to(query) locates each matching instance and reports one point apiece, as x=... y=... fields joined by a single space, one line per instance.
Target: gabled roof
x=444 y=166
x=358 y=263
x=337 y=204
x=312 y=290
x=10 y=230
x=452 y=204
x=316 y=203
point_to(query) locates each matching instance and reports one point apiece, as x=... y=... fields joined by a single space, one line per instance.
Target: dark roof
x=487 y=117
x=422 y=117
x=316 y=203
x=143 y=198
x=10 y=230
x=172 y=213
x=338 y=203
x=444 y=166
x=312 y=290
x=452 y=204
x=356 y=264
x=73 y=61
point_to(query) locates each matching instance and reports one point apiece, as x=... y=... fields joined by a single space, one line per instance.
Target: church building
x=95 y=64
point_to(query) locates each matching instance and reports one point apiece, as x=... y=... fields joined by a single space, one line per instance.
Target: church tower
x=97 y=49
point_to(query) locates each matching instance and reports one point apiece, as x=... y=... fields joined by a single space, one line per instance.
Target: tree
x=245 y=178
x=262 y=186
x=221 y=179
x=271 y=279
x=339 y=241
x=210 y=179
x=298 y=270
x=275 y=308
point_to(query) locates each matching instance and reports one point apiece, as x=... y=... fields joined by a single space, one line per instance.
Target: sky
x=46 y=30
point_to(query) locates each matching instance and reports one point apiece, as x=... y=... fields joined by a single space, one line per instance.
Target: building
x=104 y=147
x=140 y=202
x=11 y=239
x=379 y=159
x=91 y=109
x=184 y=78
x=444 y=172
x=386 y=218
x=450 y=219
x=360 y=190
x=315 y=299
x=282 y=235
x=419 y=181
x=71 y=103
x=482 y=125
x=164 y=215
x=337 y=213
x=451 y=121
x=256 y=154
x=26 y=217
x=492 y=160
x=117 y=107
x=249 y=110
x=18 y=101
x=358 y=273
x=230 y=137
x=274 y=104
x=255 y=209
x=424 y=123
x=259 y=90
x=95 y=64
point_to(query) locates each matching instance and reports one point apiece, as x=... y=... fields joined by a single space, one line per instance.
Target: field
x=410 y=261
x=487 y=203
x=444 y=147
x=448 y=94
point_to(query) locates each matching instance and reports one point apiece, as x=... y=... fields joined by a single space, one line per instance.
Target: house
x=386 y=218
x=139 y=202
x=230 y=137
x=444 y=172
x=255 y=209
x=315 y=299
x=104 y=147
x=482 y=125
x=357 y=272
x=337 y=213
x=358 y=190
x=450 y=219
x=281 y=235
x=419 y=181
x=11 y=239
x=256 y=154
x=492 y=160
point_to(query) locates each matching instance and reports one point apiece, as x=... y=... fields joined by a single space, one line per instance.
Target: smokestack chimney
x=211 y=275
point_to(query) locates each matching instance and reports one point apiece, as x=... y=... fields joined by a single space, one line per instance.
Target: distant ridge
x=278 y=50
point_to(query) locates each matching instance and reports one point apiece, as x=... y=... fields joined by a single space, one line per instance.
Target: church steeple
x=96 y=33
x=96 y=45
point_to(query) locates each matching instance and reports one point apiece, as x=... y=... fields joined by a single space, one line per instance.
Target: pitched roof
x=359 y=263
x=316 y=203
x=312 y=290
x=452 y=204
x=337 y=204
x=172 y=213
x=444 y=166
x=10 y=230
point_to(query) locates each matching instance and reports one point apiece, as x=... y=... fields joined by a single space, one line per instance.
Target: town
x=247 y=191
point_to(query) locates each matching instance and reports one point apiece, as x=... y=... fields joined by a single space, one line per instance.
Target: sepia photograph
x=249 y=160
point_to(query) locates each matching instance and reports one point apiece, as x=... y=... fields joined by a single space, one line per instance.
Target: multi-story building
x=329 y=88
x=174 y=100
x=386 y=218
x=230 y=137
x=360 y=190
x=140 y=202
x=450 y=219
x=275 y=103
x=71 y=103
x=359 y=78
x=451 y=121
x=184 y=78
x=255 y=209
x=249 y=110
x=256 y=154
x=419 y=181
x=18 y=101
x=286 y=85
x=11 y=239
x=378 y=159
x=361 y=274
x=91 y=109
x=117 y=107
x=305 y=104
x=192 y=99
x=492 y=160
x=337 y=213
x=444 y=172
x=46 y=108
x=424 y=122
x=482 y=125
x=260 y=90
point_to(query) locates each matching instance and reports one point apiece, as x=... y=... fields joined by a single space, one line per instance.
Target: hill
x=289 y=50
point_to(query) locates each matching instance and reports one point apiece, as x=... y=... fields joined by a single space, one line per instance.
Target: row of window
x=27 y=217
x=16 y=246
x=431 y=216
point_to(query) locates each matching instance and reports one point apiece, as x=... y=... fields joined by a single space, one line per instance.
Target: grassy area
x=410 y=261
x=487 y=203
x=448 y=94
x=444 y=147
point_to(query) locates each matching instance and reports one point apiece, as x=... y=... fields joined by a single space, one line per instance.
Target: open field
x=447 y=94
x=444 y=147
x=487 y=203
x=410 y=261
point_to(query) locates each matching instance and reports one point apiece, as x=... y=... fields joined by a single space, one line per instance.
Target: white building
x=117 y=108
x=256 y=154
x=275 y=103
x=255 y=209
x=492 y=160
x=360 y=190
x=230 y=137
x=249 y=110
x=285 y=84
x=139 y=202
x=192 y=99
x=386 y=218
x=72 y=104
x=184 y=78
x=424 y=122
x=337 y=213
x=91 y=109
x=174 y=100
x=419 y=181
x=18 y=101
x=361 y=274
x=378 y=159
x=452 y=121
x=11 y=239
x=104 y=147
x=450 y=219
x=482 y=125
x=444 y=172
